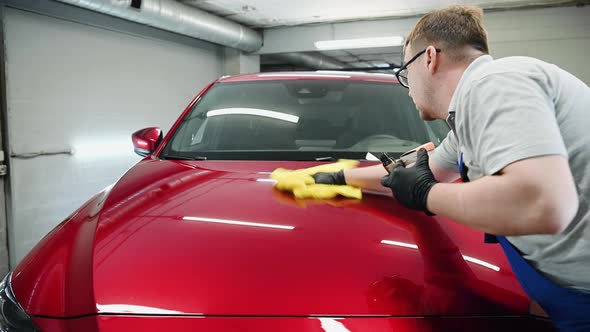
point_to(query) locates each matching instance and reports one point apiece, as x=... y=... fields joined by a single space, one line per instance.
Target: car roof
x=312 y=75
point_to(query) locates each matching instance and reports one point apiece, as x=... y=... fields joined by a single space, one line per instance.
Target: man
x=521 y=135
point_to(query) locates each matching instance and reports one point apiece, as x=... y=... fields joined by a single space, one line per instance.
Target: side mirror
x=145 y=141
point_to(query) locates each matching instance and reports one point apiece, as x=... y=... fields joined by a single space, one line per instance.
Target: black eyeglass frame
x=405 y=67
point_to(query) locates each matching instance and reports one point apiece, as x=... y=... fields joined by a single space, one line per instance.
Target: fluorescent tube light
x=304 y=75
x=482 y=263
x=467 y=258
x=400 y=244
x=236 y=222
x=134 y=309
x=381 y=65
x=343 y=44
x=254 y=111
x=266 y=180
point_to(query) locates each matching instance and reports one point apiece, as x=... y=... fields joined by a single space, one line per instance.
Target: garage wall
x=558 y=35
x=75 y=87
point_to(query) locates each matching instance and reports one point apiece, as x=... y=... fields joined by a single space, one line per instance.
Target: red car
x=196 y=238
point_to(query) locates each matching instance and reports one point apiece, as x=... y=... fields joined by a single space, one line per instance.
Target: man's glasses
x=402 y=72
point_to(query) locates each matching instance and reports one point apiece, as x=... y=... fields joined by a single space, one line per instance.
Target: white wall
x=557 y=35
x=237 y=62
x=73 y=86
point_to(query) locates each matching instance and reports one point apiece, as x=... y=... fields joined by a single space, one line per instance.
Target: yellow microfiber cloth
x=301 y=183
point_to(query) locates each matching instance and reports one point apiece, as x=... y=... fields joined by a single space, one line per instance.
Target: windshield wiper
x=176 y=157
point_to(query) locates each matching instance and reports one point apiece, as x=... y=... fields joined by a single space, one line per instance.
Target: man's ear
x=432 y=59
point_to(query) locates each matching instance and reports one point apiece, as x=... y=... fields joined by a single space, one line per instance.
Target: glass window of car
x=301 y=120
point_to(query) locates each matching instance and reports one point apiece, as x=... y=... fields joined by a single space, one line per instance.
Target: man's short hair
x=451 y=29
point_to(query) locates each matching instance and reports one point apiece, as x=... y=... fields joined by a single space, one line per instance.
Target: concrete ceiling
x=275 y=13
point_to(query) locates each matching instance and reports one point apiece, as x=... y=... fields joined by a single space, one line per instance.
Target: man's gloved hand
x=330 y=178
x=410 y=186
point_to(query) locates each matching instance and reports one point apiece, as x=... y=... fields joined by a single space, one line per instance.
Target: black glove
x=410 y=186
x=330 y=178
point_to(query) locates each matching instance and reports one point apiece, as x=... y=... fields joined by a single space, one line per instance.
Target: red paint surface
x=146 y=259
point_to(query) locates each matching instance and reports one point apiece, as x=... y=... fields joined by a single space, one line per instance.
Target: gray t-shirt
x=516 y=108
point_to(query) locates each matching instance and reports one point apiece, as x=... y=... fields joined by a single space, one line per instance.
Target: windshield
x=301 y=120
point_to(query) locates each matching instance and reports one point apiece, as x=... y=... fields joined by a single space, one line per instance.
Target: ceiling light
x=482 y=263
x=343 y=44
x=467 y=258
x=238 y=223
x=400 y=244
x=254 y=111
x=382 y=65
x=266 y=180
x=134 y=309
x=303 y=75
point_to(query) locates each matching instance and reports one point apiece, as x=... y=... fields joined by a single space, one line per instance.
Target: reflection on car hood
x=206 y=237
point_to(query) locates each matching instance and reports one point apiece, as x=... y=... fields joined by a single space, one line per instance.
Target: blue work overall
x=569 y=309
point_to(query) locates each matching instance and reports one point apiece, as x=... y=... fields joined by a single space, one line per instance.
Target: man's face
x=418 y=82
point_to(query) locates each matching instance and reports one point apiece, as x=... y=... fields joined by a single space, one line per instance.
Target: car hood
x=216 y=238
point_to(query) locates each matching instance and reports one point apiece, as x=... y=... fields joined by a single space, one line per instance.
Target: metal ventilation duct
x=177 y=17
